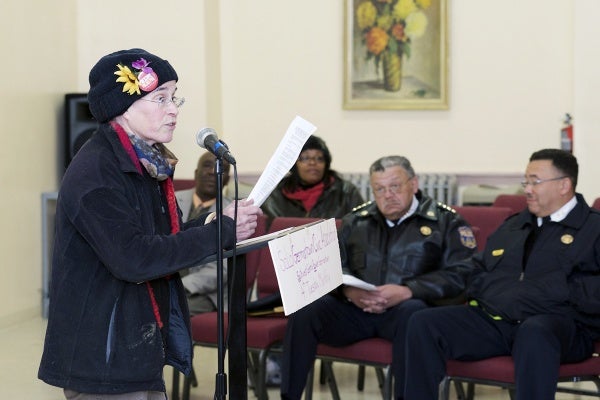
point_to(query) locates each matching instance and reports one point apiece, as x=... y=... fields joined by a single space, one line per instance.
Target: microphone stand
x=221 y=377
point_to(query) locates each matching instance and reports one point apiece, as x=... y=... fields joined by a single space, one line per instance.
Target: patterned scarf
x=159 y=162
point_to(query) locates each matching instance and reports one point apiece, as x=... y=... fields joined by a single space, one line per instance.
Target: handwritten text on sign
x=307 y=263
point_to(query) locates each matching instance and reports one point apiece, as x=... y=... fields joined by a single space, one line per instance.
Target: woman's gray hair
x=392 y=161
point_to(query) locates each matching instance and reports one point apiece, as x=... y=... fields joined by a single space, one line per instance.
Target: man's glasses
x=163 y=101
x=380 y=191
x=536 y=182
x=308 y=159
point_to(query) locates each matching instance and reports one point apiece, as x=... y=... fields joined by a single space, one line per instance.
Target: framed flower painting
x=395 y=54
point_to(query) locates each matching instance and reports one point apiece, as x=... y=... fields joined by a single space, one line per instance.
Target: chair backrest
x=517 y=202
x=253 y=257
x=183 y=184
x=486 y=218
x=596 y=203
x=266 y=278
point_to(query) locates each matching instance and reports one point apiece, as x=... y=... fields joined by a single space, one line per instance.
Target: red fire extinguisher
x=566 y=134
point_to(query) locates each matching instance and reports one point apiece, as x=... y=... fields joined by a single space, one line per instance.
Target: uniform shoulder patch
x=467 y=237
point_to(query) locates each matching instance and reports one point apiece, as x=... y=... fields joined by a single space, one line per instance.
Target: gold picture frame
x=395 y=55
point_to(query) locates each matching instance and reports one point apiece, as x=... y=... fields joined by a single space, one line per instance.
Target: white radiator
x=442 y=187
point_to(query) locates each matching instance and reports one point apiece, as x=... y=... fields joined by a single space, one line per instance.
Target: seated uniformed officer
x=534 y=293
x=405 y=244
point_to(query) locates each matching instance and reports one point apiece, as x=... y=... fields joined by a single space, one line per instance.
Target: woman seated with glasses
x=312 y=188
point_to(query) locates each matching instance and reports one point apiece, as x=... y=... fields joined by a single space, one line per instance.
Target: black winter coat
x=337 y=200
x=561 y=276
x=113 y=235
x=420 y=252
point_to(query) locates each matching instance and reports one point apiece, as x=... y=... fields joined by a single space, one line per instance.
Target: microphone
x=207 y=139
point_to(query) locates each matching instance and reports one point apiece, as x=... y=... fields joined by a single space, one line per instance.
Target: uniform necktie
x=533 y=235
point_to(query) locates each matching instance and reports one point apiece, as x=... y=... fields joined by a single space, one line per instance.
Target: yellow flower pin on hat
x=131 y=83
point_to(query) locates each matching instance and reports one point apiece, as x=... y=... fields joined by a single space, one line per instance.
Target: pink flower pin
x=142 y=64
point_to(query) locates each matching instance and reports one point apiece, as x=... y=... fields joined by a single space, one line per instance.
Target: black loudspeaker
x=80 y=125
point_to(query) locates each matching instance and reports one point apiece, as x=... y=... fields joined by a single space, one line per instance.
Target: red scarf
x=308 y=197
x=168 y=189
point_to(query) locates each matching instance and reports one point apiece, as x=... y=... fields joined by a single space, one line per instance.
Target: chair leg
x=175 y=385
x=444 y=389
x=253 y=372
x=381 y=376
x=322 y=376
x=597 y=383
x=261 y=379
x=188 y=382
x=310 y=381
x=327 y=365
x=360 y=383
x=387 y=383
x=470 y=391
x=460 y=390
x=511 y=393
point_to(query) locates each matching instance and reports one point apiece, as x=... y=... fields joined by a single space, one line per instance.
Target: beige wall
x=39 y=65
x=247 y=68
x=509 y=87
x=586 y=88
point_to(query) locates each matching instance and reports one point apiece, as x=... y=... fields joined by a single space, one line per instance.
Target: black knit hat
x=119 y=79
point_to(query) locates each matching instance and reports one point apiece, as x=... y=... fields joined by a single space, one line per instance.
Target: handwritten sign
x=307 y=264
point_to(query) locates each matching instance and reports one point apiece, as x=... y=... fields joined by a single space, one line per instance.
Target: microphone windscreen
x=202 y=134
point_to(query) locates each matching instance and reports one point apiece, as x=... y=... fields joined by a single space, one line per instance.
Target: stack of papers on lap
x=350 y=280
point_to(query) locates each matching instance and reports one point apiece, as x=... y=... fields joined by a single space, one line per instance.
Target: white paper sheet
x=351 y=280
x=283 y=159
x=307 y=264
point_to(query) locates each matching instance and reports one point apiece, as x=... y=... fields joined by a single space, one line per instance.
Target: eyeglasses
x=163 y=101
x=307 y=159
x=538 y=181
x=395 y=188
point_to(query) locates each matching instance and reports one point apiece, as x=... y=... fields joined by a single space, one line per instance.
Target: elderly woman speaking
x=118 y=309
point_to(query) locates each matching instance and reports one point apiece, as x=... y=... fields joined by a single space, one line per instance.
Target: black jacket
x=337 y=200
x=113 y=235
x=420 y=252
x=561 y=276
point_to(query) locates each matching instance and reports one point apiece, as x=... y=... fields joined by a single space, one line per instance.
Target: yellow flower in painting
x=366 y=13
x=377 y=40
x=403 y=9
x=385 y=22
x=388 y=27
x=423 y=3
x=416 y=23
x=131 y=83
